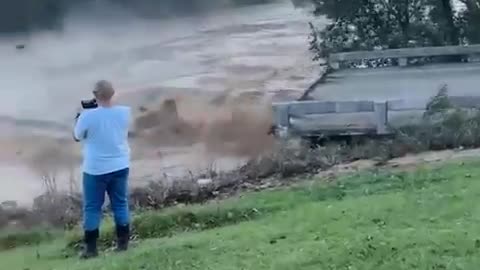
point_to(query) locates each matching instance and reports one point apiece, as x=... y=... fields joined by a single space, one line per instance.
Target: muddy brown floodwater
x=223 y=69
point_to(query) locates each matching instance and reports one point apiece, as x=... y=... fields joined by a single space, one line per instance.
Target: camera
x=89 y=104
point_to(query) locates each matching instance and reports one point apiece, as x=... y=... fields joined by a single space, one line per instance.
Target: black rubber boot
x=123 y=237
x=90 y=242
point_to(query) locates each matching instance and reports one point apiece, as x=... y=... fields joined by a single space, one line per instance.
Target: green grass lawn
x=427 y=219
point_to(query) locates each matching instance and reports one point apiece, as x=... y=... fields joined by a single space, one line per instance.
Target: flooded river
x=261 y=49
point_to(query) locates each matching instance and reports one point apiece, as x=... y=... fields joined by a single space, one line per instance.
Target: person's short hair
x=103 y=90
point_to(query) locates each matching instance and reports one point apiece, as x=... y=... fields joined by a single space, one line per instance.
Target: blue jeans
x=115 y=184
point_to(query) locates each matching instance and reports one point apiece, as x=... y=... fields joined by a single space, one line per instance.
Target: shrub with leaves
x=443 y=126
x=439 y=103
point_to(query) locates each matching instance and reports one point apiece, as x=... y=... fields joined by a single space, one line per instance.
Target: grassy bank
x=427 y=219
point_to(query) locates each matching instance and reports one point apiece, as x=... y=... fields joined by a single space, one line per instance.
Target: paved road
x=411 y=83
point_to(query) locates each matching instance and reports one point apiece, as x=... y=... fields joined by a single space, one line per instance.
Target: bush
x=51 y=210
x=439 y=103
x=58 y=210
x=443 y=126
x=168 y=192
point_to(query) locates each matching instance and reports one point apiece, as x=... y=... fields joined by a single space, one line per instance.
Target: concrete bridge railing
x=403 y=54
x=307 y=118
x=286 y=114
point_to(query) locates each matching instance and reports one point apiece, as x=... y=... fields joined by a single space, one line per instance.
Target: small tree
x=439 y=103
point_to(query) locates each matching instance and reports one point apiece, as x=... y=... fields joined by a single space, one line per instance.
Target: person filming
x=102 y=128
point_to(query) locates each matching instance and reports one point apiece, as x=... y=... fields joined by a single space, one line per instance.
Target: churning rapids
x=255 y=48
x=261 y=49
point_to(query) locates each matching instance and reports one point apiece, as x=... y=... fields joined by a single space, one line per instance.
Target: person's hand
x=79 y=112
